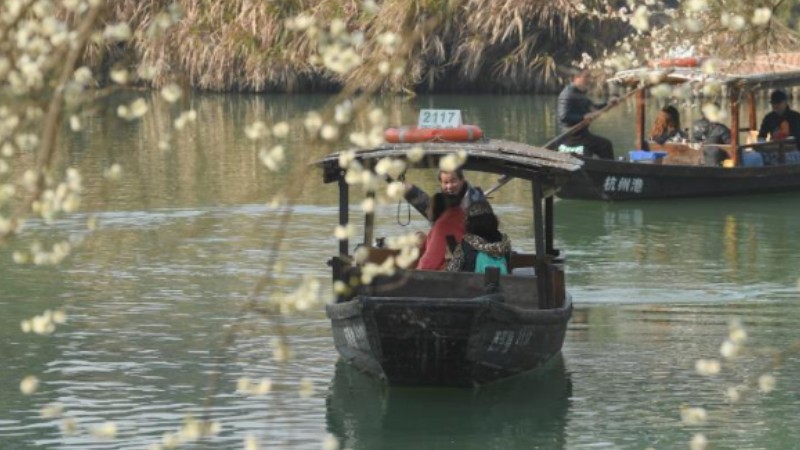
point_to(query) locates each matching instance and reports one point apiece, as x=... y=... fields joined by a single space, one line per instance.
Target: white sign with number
x=439 y=118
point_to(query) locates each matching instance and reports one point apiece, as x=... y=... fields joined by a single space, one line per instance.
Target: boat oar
x=502 y=181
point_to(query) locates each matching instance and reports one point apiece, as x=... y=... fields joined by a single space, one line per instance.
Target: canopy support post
x=542 y=272
x=344 y=213
x=736 y=154
x=548 y=226
x=640 y=119
x=369 y=222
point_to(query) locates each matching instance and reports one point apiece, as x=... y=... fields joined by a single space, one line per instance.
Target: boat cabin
x=544 y=170
x=742 y=82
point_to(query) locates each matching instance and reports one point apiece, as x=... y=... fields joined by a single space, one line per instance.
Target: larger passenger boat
x=416 y=327
x=685 y=170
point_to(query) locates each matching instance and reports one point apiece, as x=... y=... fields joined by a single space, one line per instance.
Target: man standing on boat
x=446 y=213
x=781 y=122
x=574 y=107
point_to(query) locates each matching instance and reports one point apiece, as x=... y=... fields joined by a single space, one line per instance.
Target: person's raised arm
x=417 y=198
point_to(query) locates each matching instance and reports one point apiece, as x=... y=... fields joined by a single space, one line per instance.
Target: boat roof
x=770 y=71
x=491 y=155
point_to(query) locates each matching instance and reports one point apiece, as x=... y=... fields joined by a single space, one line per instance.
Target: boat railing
x=770 y=153
x=518 y=260
x=775 y=153
x=679 y=153
x=517 y=289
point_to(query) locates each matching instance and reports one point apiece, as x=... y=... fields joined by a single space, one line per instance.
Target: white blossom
x=280 y=130
x=256 y=130
x=107 y=430
x=29 y=384
x=330 y=443
x=693 y=415
x=329 y=132
x=171 y=92
x=729 y=349
x=118 y=32
x=641 y=19
x=697 y=5
x=83 y=75
x=707 y=366
x=273 y=158
x=313 y=122
x=119 y=76
x=766 y=383
x=698 y=442
x=761 y=16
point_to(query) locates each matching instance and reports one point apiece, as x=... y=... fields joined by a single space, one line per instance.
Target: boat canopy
x=761 y=72
x=509 y=158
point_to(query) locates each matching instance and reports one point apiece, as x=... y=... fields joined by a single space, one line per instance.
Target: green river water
x=186 y=233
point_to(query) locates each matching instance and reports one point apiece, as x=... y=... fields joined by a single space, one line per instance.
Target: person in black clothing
x=708 y=132
x=711 y=134
x=574 y=106
x=782 y=122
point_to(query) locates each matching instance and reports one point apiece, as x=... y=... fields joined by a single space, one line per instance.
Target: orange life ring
x=412 y=134
x=687 y=61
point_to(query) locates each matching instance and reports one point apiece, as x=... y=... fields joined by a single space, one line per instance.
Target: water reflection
x=714 y=249
x=185 y=233
x=528 y=411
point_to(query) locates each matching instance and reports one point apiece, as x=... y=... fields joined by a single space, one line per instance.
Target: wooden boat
x=685 y=171
x=430 y=328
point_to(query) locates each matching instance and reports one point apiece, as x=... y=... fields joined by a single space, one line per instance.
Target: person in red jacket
x=446 y=212
x=449 y=223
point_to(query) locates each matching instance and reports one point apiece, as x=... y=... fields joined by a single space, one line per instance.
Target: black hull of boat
x=446 y=342
x=620 y=180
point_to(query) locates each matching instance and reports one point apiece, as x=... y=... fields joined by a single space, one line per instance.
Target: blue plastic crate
x=645 y=156
x=752 y=159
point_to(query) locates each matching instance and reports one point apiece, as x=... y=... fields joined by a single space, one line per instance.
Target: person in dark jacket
x=711 y=135
x=483 y=244
x=708 y=132
x=782 y=122
x=455 y=188
x=446 y=211
x=574 y=106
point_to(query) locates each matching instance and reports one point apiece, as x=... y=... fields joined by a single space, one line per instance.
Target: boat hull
x=620 y=180
x=446 y=342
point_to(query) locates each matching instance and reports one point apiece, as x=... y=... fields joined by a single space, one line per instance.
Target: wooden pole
x=344 y=213
x=542 y=274
x=736 y=153
x=369 y=222
x=640 y=119
x=751 y=110
x=549 y=226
